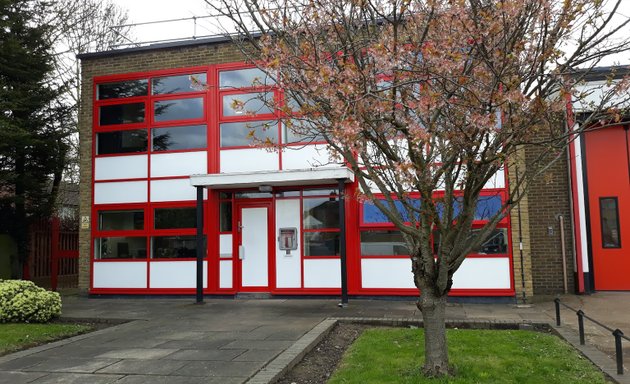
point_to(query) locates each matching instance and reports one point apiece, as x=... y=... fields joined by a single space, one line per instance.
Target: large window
x=122 y=89
x=178 y=109
x=123 y=247
x=177 y=84
x=121 y=114
x=178 y=138
x=121 y=142
x=248 y=133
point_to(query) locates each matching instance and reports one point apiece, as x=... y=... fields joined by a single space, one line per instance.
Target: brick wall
x=549 y=198
x=120 y=63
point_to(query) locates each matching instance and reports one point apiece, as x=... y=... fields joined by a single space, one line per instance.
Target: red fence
x=53 y=260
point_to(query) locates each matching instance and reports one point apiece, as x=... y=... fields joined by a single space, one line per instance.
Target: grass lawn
x=395 y=355
x=15 y=336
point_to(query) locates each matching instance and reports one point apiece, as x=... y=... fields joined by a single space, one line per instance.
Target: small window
x=121 y=114
x=121 y=142
x=244 y=104
x=178 y=109
x=251 y=77
x=297 y=131
x=172 y=218
x=383 y=243
x=253 y=195
x=495 y=243
x=173 y=138
x=321 y=212
x=373 y=215
x=321 y=243
x=225 y=216
x=609 y=213
x=120 y=248
x=174 y=247
x=120 y=220
x=178 y=84
x=330 y=192
x=245 y=134
x=122 y=89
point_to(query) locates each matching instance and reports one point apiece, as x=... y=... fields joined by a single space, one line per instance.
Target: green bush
x=23 y=301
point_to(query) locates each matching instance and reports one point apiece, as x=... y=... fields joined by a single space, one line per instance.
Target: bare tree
x=81 y=26
x=427 y=100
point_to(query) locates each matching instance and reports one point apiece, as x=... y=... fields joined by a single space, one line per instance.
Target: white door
x=254 y=249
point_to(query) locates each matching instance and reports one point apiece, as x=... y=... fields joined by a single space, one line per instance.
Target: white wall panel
x=249 y=159
x=128 y=274
x=120 y=192
x=179 y=164
x=173 y=190
x=303 y=157
x=120 y=167
x=225 y=245
x=322 y=273
x=288 y=267
x=386 y=273
x=483 y=273
x=176 y=274
x=225 y=274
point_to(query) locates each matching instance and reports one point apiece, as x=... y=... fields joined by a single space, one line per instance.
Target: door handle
x=241 y=252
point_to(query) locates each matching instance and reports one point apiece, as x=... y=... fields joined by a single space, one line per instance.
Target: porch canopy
x=294 y=177
x=285 y=178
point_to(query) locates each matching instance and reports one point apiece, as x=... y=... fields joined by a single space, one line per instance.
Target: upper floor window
x=122 y=89
x=128 y=113
x=177 y=138
x=178 y=109
x=177 y=84
x=243 y=78
x=244 y=104
x=128 y=141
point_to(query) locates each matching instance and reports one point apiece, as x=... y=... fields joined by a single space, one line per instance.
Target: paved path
x=224 y=341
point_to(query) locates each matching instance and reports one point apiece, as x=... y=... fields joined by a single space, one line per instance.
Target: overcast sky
x=141 y=11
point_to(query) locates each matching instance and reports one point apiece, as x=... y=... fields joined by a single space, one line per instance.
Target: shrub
x=23 y=301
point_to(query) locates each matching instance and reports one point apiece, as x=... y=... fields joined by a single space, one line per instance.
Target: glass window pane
x=496 y=243
x=244 y=104
x=171 y=138
x=281 y=194
x=168 y=218
x=321 y=243
x=373 y=215
x=251 y=77
x=330 y=192
x=253 y=195
x=179 y=109
x=120 y=220
x=120 y=248
x=383 y=243
x=225 y=216
x=121 y=114
x=609 y=213
x=178 y=84
x=173 y=247
x=321 y=213
x=121 y=142
x=122 y=89
x=296 y=131
x=248 y=133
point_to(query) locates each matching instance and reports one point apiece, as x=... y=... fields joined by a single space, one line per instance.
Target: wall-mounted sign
x=85 y=222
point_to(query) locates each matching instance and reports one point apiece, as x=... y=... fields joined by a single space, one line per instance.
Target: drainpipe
x=200 y=245
x=342 y=244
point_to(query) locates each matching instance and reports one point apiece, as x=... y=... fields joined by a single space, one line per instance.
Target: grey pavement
x=229 y=340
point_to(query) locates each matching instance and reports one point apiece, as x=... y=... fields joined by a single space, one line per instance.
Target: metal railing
x=617 y=334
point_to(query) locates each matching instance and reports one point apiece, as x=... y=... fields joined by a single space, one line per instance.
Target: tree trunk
x=436 y=353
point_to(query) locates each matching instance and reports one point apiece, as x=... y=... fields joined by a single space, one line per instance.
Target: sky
x=141 y=11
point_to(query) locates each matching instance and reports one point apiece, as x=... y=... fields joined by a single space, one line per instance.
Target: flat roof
x=284 y=178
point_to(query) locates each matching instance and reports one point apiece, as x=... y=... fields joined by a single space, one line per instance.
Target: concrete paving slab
x=258 y=344
x=8 y=377
x=239 y=369
x=154 y=379
x=194 y=344
x=23 y=363
x=72 y=365
x=205 y=354
x=145 y=367
x=258 y=355
x=137 y=353
x=76 y=378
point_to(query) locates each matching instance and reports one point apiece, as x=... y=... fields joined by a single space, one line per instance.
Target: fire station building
x=158 y=124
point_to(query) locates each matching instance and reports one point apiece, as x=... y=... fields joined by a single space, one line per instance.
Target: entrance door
x=253 y=247
x=608 y=177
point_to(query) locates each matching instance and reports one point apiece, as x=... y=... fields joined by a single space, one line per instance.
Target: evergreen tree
x=33 y=124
